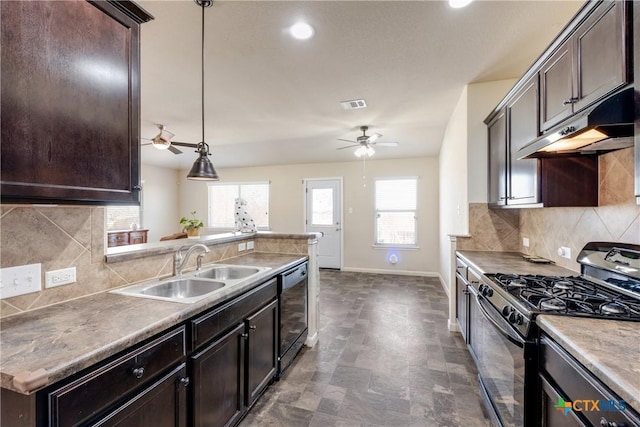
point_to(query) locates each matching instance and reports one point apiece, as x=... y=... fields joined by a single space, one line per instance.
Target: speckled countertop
x=487 y=262
x=610 y=349
x=43 y=346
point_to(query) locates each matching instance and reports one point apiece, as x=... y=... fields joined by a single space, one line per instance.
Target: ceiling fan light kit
x=364 y=143
x=163 y=140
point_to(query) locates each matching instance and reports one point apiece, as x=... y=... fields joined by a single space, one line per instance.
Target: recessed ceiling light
x=457 y=4
x=301 y=31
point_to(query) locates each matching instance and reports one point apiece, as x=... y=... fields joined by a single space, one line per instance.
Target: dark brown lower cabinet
x=591 y=403
x=262 y=359
x=163 y=404
x=235 y=356
x=218 y=380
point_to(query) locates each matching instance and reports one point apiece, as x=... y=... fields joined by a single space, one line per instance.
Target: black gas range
x=608 y=288
x=502 y=311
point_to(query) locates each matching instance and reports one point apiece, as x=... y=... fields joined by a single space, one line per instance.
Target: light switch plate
x=20 y=280
x=242 y=247
x=525 y=242
x=250 y=244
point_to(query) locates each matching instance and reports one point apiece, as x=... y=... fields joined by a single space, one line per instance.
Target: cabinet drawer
x=118 y=239
x=96 y=391
x=576 y=383
x=206 y=327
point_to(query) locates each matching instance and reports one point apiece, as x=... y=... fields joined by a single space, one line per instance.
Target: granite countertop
x=46 y=345
x=610 y=350
x=488 y=262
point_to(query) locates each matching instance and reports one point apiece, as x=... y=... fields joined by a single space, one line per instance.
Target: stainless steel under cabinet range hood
x=605 y=127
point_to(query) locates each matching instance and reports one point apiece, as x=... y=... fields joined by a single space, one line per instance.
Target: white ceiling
x=271 y=99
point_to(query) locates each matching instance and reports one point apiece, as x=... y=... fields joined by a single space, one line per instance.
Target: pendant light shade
x=202 y=169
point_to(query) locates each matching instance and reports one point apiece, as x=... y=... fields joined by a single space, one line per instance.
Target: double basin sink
x=193 y=286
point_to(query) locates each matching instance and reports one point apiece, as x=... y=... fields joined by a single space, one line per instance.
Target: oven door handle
x=512 y=337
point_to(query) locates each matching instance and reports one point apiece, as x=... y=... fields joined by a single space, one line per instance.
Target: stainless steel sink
x=193 y=286
x=228 y=272
x=183 y=288
x=186 y=290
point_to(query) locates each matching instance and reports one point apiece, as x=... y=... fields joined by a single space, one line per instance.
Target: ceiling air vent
x=353 y=104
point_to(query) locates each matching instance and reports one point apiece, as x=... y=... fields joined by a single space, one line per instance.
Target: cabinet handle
x=245 y=336
x=138 y=372
x=253 y=327
x=605 y=423
x=185 y=381
x=466 y=292
x=569 y=101
x=137 y=187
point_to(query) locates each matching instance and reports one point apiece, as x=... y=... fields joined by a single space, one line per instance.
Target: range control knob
x=515 y=318
x=488 y=292
x=506 y=310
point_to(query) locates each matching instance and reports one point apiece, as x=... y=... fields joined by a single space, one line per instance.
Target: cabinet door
x=556 y=87
x=462 y=305
x=551 y=416
x=522 y=114
x=218 y=381
x=497 y=190
x=600 y=53
x=262 y=359
x=69 y=102
x=163 y=404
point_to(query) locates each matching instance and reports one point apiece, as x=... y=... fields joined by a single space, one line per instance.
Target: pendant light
x=202 y=169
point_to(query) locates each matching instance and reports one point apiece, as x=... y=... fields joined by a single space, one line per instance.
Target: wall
x=73 y=236
x=159 y=201
x=287 y=205
x=463 y=162
x=616 y=219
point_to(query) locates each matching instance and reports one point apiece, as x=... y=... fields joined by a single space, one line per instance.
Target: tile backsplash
x=616 y=219
x=74 y=236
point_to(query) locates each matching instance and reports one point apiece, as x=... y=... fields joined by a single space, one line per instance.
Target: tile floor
x=385 y=358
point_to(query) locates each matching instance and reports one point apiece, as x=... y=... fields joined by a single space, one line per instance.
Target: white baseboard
x=311 y=340
x=453 y=326
x=387 y=271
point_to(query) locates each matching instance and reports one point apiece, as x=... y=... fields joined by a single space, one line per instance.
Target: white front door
x=324 y=214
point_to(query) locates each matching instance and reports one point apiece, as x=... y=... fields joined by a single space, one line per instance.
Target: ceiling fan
x=162 y=141
x=365 y=143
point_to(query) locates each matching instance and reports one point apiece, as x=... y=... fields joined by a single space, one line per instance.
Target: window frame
x=378 y=211
x=239 y=185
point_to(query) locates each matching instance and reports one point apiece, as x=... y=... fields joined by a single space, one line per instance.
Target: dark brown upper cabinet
x=497 y=191
x=70 y=101
x=522 y=128
x=591 y=63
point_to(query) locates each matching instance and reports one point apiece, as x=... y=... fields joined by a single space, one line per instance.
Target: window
x=396 y=202
x=222 y=199
x=121 y=217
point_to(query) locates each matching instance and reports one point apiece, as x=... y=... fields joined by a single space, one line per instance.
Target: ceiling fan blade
x=387 y=144
x=374 y=137
x=347 y=140
x=184 y=144
x=348 y=146
x=174 y=150
x=148 y=143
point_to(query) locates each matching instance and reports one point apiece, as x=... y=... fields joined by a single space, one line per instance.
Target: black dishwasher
x=292 y=311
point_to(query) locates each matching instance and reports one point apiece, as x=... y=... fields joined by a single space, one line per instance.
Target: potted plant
x=191 y=226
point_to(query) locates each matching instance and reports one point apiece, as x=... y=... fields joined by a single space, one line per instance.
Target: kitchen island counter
x=610 y=349
x=43 y=346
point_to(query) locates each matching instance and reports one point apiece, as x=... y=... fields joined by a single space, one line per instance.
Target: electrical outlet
x=59 y=277
x=525 y=242
x=564 y=252
x=20 y=280
x=242 y=247
x=250 y=244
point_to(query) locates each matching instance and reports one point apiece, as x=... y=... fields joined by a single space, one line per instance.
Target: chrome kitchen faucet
x=179 y=262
